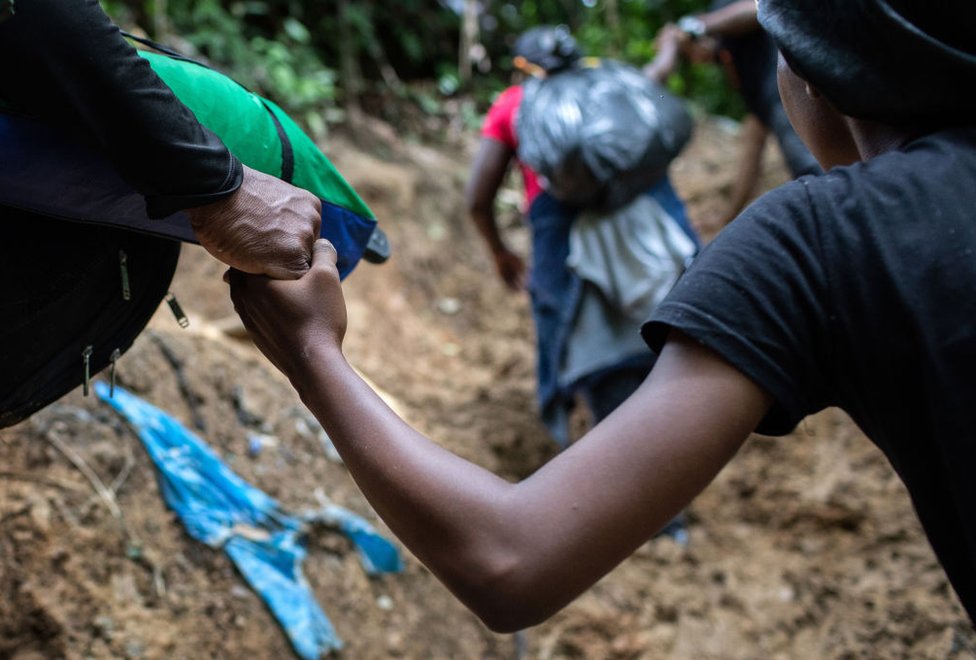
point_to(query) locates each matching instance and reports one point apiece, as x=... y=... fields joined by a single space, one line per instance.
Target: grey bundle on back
x=600 y=135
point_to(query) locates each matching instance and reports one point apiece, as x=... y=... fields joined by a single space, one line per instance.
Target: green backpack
x=102 y=279
x=256 y=130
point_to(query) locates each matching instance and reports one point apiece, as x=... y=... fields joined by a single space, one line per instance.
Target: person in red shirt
x=555 y=290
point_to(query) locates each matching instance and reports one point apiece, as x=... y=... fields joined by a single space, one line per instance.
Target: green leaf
x=297 y=31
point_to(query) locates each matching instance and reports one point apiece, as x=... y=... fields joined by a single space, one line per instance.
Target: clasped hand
x=292 y=321
x=266 y=227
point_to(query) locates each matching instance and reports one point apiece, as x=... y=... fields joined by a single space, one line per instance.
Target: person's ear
x=812 y=91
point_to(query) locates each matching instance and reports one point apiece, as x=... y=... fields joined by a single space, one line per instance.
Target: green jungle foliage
x=317 y=59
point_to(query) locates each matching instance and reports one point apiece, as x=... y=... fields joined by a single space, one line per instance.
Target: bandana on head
x=895 y=61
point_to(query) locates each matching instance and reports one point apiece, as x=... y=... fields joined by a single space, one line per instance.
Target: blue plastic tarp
x=219 y=508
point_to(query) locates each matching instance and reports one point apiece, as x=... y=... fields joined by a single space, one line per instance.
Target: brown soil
x=804 y=547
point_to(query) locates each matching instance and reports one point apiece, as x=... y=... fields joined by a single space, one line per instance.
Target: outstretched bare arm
x=513 y=553
x=733 y=20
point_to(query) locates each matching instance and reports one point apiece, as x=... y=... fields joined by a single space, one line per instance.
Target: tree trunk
x=469 y=38
x=160 y=21
x=613 y=23
x=349 y=71
x=378 y=55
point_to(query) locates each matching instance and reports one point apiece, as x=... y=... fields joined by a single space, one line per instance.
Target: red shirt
x=500 y=126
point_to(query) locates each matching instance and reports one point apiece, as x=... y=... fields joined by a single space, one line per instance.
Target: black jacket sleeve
x=65 y=61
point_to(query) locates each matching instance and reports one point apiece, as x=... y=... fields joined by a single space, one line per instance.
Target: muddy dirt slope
x=804 y=547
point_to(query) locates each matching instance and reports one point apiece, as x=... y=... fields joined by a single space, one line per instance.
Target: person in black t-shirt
x=851 y=289
x=730 y=34
x=64 y=61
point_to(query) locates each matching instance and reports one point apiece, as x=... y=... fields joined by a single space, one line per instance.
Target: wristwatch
x=692 y=26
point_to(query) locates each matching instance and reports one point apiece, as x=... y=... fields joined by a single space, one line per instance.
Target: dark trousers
x=604 y=391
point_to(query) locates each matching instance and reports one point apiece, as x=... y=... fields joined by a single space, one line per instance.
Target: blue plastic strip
x=220 y=509
x=376 y=553
x=273 y=569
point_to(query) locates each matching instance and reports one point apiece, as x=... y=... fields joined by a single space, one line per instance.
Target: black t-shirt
x=65 y=61
x=857 y=289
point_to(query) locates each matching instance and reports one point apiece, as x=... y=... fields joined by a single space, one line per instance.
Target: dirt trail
x=804 y=547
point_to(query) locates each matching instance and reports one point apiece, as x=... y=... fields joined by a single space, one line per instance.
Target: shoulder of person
x=509 y=95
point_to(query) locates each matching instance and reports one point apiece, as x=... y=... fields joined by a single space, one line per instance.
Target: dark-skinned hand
x=267 y=227
x=284 y=318
x=511 y=268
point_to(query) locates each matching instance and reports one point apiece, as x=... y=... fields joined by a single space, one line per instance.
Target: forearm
x=732 y=20
x=453 y=515
x=64 y=61
x=516 y=553
x=485 y=221
x=487 y=175
x=513 y=553
x=663 y=64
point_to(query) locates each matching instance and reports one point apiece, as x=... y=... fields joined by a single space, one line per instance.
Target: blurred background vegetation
x=325 y=61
